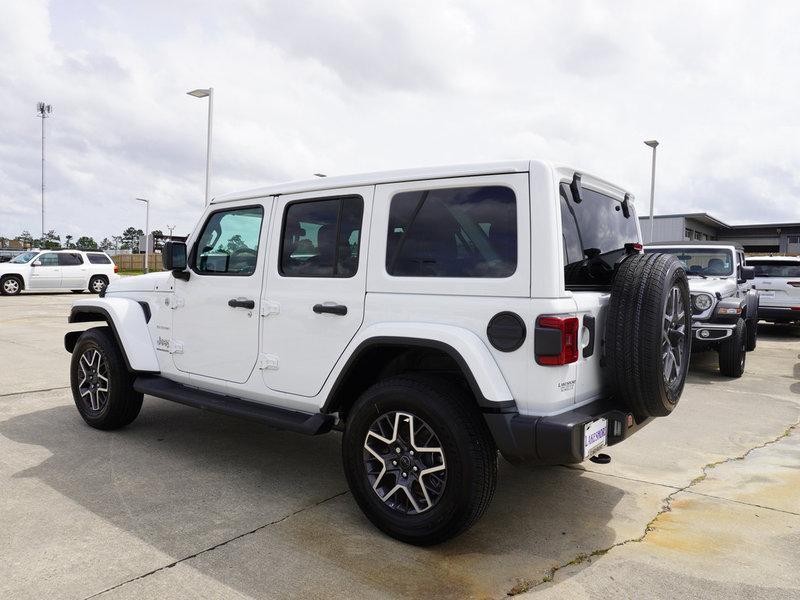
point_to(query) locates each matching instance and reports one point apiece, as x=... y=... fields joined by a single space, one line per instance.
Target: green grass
x=124 y=273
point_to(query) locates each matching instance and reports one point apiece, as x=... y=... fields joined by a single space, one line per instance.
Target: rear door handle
x=334 y=309
x=239 y=303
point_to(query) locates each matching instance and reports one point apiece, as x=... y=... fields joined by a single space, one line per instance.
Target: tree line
x=127 y=240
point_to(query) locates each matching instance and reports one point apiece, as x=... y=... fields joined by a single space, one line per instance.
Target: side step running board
x=309 y=424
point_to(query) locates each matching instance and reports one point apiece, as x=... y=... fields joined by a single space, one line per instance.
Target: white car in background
x=75 y=270
x=778 y=284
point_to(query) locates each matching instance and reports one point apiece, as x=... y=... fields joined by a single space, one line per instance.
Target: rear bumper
x=557 y=439
x=778 y=313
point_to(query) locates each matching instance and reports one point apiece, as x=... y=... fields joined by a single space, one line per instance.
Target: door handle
x=334 y=309
x=236 y=303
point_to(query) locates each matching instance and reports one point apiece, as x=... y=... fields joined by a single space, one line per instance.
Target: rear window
x=98 y=259
x=775 y=268
x=453 y=232
x=594 y=232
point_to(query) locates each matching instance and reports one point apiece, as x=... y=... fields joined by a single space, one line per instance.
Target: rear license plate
x=595 y=435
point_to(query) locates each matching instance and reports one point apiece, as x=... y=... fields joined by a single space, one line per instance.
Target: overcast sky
x=348 y=87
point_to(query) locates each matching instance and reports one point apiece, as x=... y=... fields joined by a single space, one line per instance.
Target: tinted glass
x=69 y=260
x=594 y=232
x=321 y=238
x=701 y=261
x=229 y=242
x=453 y=232
x=49 y=259
x=775 y=268
x=99 y=259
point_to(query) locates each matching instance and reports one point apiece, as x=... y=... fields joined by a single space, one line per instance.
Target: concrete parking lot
x=703 y=504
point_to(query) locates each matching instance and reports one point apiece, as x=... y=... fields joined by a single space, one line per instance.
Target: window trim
x=388 y=268
x=193 y=253
x=340 y=198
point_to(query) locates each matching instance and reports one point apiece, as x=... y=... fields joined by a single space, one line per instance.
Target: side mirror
x=174 y=257
x=748 y=273
x=36 y=263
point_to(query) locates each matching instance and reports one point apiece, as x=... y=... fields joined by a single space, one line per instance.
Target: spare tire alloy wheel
x=647 y=334
x=405 y=462
x=93 y=385
x=672 y=346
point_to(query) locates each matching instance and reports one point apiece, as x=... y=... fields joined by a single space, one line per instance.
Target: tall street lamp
x=43 y=111
x=653 y=144
x=207 y=93
x=146 y=235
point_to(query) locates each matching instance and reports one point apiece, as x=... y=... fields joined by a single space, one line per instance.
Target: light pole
x=146 y=235
x=207 y=93
x=653 y=144
x=43 y=111
x=170 y=227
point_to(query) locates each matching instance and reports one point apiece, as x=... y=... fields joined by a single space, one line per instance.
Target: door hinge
x=270 y=308
x=267 y=362
x=175 y=347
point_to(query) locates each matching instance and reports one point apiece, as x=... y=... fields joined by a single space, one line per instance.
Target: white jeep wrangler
x=724 y=304
x=435 y=316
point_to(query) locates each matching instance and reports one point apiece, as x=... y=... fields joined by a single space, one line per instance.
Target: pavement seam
x=215 y=546
x=524 y=585
x=63 y=387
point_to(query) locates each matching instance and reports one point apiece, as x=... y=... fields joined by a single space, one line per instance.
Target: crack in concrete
x=65 y=387
x=215 y=546
x=524 y=585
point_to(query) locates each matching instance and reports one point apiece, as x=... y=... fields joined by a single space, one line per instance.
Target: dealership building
x=761 y=237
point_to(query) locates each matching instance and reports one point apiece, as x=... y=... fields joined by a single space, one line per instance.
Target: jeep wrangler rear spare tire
x=648 y=333
x=419 y=459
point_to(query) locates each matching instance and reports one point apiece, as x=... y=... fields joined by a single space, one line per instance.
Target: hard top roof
x=697 y=243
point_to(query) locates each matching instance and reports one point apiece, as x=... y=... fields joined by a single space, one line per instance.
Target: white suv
x=777 y=279
x=435 y=316
x=75 y=270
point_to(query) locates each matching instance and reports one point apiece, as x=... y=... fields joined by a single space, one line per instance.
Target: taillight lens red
x=568 y=326
x=116 y=269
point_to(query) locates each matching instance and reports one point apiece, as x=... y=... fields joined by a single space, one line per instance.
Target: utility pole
x=653 y=144
x=146 y=235
x=43 y=111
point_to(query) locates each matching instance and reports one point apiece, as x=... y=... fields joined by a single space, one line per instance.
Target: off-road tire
x=123 y=402
x=733 y=352
x=752 y=334
x=95 y=286
x=10 y=290
x=635 y=333
x=469 y=453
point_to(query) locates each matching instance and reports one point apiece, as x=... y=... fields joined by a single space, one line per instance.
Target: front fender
x=466 y=348
x=128 y=322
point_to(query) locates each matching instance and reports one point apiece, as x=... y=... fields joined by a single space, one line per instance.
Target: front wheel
x=752 y=334
x=419 y=459
x=10 y=286
x=733 y=352
x=102 y=386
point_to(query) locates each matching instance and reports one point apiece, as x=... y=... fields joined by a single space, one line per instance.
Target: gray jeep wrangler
x=724 y=303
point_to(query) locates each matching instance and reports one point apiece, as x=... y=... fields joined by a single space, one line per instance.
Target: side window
x=228 y=244
x=453 y=232
x=50 y=259
x=98 y=259
x=69 y=260
x=322 y=238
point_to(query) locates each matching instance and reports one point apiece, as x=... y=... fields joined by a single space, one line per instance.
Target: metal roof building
x=759 y=237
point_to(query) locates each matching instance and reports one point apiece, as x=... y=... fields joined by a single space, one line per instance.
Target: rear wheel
x=733 y=352
x=102 y=386
x=419 y=459
x=10 y=286
x=97 y=284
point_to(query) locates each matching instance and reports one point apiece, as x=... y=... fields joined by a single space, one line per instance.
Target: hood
x=151 y=282
x=7 y=267
x=725 y=286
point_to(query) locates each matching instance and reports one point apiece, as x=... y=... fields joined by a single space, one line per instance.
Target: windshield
x=710 y=262
x=775 y=269
x=24 y=257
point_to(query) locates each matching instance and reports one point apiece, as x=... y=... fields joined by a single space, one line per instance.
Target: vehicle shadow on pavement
x=182 y=481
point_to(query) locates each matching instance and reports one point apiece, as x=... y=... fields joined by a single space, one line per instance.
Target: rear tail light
x=556 y=340
x=116 y=269
x=796 y=308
